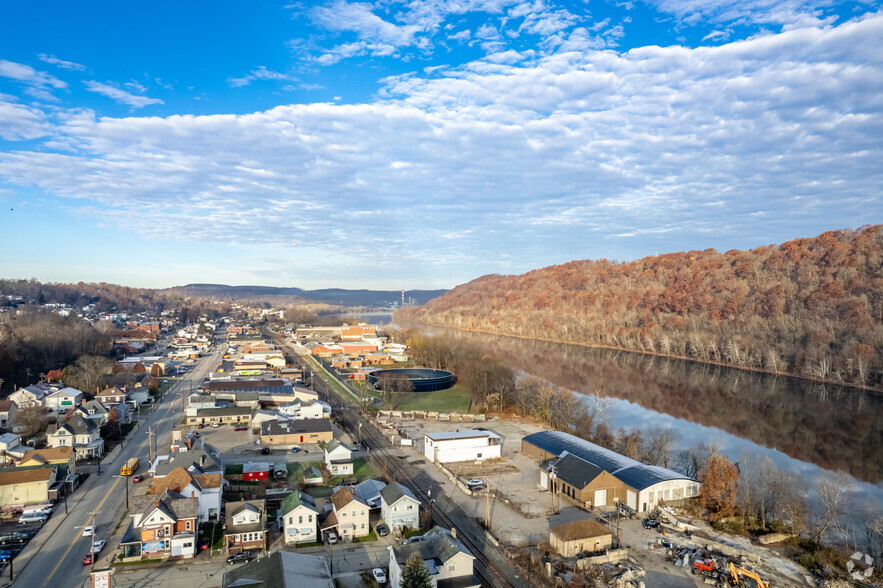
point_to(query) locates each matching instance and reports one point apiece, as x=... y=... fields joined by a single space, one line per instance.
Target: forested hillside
x=812 y=307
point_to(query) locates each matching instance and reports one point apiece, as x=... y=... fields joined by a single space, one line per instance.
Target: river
x=805 y=427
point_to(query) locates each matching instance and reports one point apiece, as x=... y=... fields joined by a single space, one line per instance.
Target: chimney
x=192 y=494
x=189 y=442
x=83 y=401
x=453 y=532
x=156 y=504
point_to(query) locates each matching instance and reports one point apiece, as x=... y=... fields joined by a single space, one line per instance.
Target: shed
x=586 y=535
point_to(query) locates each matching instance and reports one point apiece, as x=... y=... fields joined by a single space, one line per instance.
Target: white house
x=139 y=395
x=80 y=434
x=204 y=487
x=299 y=518
x=338 y=458
x=303 y=409
x=399 y=507
x=11 y=447
x=349 y=515
x=30 y=395
x=63 y=400
x=470 y=445
x=94 y=410
x=446 y=558
x=8 y=410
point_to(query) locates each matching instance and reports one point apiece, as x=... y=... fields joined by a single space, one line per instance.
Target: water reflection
x=834 y=427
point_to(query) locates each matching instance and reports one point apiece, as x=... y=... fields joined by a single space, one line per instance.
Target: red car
x=87 y=560
x=138 y=478
x=205 y=543
x=240 y=428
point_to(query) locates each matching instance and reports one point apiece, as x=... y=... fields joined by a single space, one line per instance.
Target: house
x=281 y=569
x=447 y=559
x=256 y=471
x=63 y=400
x=223 y=416
x=369 y=492
x=246 y=526
x=313 y=477
x=79 y=433
x=573 y=538
x=351 y=515
x=26 y=486
x=64 y=458
x=11 y=447
x=338 y=458
x=124 y=413
x=139 y=395
x=206 y=488
x=470 y=445
x=200 y=458
x=112 y=396
x=645 y=485
x=93 y=410
x=198 y=401
x=585 y=483
x=262 y=416
x=163 y=526
x=280 y=432
x=399 y=507
x=30 y=395
x=299 y=518
x=8 y=410
x=300 y=409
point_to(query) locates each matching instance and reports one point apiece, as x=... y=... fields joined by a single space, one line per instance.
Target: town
x=260 y=450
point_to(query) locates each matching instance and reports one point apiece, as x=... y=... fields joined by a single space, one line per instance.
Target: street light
x=126 y=482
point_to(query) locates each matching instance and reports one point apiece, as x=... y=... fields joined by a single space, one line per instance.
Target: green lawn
x=345 y=393
x=456 y=399
x=372 y=536
x=362 y=470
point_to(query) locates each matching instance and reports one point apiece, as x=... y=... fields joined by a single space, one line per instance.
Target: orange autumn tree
x=720 y=483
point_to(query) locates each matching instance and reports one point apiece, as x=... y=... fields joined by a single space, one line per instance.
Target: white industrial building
x=471 y=445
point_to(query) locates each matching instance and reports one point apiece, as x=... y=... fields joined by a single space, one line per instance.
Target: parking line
x=63 y=557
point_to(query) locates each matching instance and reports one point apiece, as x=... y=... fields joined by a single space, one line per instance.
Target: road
x=55 y=556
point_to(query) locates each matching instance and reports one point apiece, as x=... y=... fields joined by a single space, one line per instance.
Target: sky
x=423 y=144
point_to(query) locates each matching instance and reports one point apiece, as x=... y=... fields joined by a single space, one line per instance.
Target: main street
x=55 y=556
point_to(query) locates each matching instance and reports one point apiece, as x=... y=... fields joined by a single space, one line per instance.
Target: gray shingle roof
x=576 y=471
x=281 y=569
x=395 y=492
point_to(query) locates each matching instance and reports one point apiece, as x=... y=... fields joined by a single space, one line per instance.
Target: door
x=631 y=499
x=544 y=479
x=600 y=498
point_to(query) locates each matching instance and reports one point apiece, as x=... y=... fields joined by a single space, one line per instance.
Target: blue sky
x=423 y=144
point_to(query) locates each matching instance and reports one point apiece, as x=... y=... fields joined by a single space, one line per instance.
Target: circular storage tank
x=421 y=379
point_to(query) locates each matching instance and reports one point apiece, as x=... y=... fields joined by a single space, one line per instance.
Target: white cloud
x=135 y=86
x=261 y=73
x=790 y=13
x=538 y=158
x=18 y=121
x=68 y=65
x=120 y=96
x=38 y=84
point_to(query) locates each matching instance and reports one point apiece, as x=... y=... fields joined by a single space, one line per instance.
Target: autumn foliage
x=812 y=307
x=720 y=485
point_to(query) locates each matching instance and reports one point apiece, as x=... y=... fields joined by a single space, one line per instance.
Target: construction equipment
x=737 y=576
x=706 y=567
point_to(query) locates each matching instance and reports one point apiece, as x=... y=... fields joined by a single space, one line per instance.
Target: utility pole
x=487 y=508
x=150 y=446
x=92 y=550
x=552 y=480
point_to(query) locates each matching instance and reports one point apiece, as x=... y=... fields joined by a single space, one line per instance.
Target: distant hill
x=812 y=307
x=333 y=296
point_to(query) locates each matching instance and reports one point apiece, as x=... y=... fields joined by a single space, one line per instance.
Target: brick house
x=163 y=525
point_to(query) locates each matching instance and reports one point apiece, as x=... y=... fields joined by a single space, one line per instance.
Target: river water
x=805 y=427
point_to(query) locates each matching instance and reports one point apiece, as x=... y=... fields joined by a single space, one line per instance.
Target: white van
x=39 y=510
x=33 y=518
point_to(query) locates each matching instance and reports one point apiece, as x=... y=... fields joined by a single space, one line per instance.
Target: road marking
x=63 y=557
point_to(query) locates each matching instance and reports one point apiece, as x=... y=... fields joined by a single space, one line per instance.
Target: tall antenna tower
x=403 y=297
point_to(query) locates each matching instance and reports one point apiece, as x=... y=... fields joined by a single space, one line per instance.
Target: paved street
x=55 y=556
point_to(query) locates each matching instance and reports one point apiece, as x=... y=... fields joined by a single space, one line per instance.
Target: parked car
x=215 y=425
x=379 y=575
x=240 y=428
x=265 y=451
x=332 y=537
x=382 y=530
x=475 y=484
x=99 y=545
x=87 y=559
x=651 y=523
x=138 y=478
x=32 y=518
x=200 y=426
x=240 y=557
x=295 y=449
x=204 y=543
x=87 y=532
x=196 y=434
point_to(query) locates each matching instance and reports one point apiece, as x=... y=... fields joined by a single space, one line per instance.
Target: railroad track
x=488 y=572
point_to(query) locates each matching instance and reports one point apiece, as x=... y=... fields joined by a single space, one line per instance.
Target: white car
x=475 y=484
x=87 y=532
x=99 y=545
x=379 y=575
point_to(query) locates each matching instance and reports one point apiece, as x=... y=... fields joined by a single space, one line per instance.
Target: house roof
x=171 y=503
x=176 y=480
x=468 y=434
x=395 y=492
x=48 y=455
x=206 y=481
x=296 y=499
x=234 y=508
x=95 y=405
x=584 y=529
x=256 y=466
x=281 y=569
x=312 y=472
x=200 y=457
x=302 y=426
x=343 y=497
x=575 y=471
x=26 y=476
x=632 y=473
x=229 y=411
x=77 y=425
x=334 y=444
x=436 y=546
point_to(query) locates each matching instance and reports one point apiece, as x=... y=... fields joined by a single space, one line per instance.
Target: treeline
x=811 y=307
x=105 y=297
x=33 y=342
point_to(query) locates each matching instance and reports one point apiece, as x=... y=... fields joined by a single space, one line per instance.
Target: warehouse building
x=471 y=445
x=642 y=486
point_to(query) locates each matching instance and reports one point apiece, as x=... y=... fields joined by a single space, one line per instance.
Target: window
x=478 y=456
x=362 y=512
x=410 y=507
x=290 y=520
x=300 y=519
x=343 y=514
x=187 y=526
x=452 y=568
x=309 y=518
x=363 y=525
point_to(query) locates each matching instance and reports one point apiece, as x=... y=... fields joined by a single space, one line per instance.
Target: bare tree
x=659 y=443
x=90 y=370
x=835 y=497
x=31 y=420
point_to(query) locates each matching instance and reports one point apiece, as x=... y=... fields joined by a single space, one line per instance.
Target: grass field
x=456 y=399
